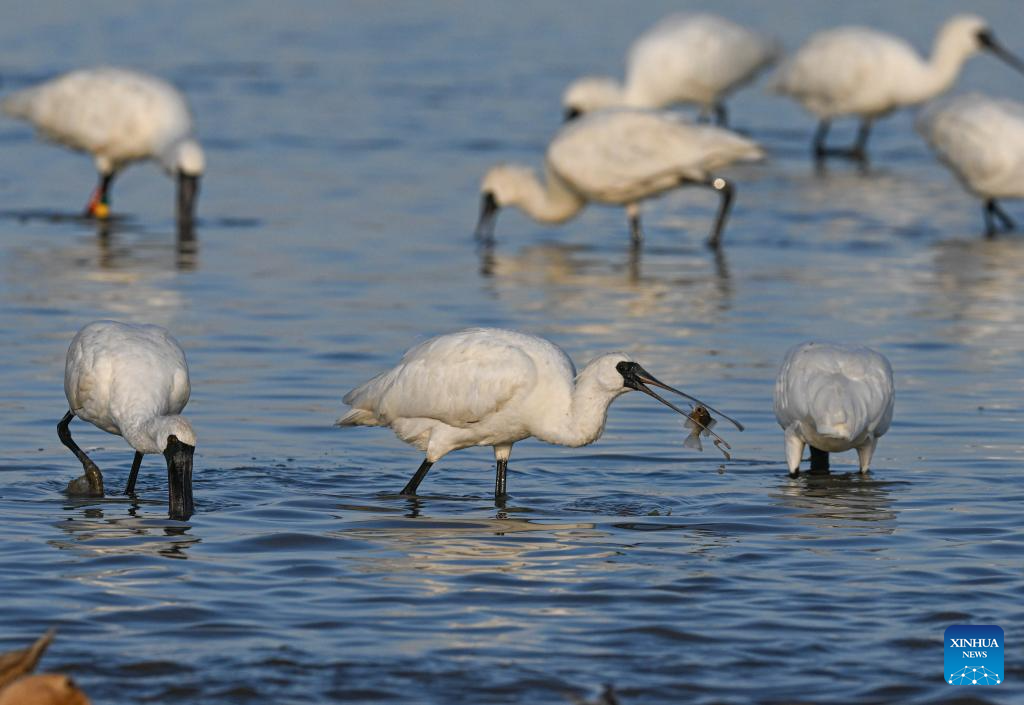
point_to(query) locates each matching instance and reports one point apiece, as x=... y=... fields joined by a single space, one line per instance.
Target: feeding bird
x=866 y=73
x=685 y=58
x=833 y=398
x=118 y=116
x=619 y=157
x=981 y=139
x=132 y=381
x=494 y=387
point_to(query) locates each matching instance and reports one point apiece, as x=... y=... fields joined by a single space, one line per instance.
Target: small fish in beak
x=699 y=422
x=699 y=419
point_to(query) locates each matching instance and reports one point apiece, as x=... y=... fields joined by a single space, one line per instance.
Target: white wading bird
x=982 y=140
x=119 y=117
x=866 y=73
x=833 y=398
x=493 y=387
x=132 y=381
x=685 y=58
x=619 y=157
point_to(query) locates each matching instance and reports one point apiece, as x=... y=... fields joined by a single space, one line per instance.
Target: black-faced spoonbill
x=119 y=117
x=493 y=387
x=981 y=139
x=620 y=157
x=132 y=381
x=866 y=73
x=833 y=398
x=697 y=59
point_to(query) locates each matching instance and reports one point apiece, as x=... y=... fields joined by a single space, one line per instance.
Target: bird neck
x=636 y=94
x=578 y=418
x=949 y=53
x=838 y=406
x=550 y=202
x=148 y=434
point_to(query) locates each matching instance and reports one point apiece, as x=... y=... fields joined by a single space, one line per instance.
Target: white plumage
x=618 y=157
x=866 y=73
x=119 y=117
x=981 y=139
x=685 y=58
x=493 y=387
x=132 y=381
x=833 y=398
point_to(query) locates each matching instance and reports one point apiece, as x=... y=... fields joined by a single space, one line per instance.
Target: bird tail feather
x=18 y=105
x=358 y=417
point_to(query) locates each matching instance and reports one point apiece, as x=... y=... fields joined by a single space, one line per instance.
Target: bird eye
x=625 y=367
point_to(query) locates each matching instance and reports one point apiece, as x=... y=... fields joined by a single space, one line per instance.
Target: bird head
x=503 y=185
x=968 y=34
x=186 y=162
x=590 y=93
x=631 y=376
x=178 y=441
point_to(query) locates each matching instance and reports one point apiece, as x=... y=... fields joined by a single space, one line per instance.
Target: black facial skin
x=988 y=42
x=636 y=377
x=488 y=215
x=572 y=113
x=179 y=478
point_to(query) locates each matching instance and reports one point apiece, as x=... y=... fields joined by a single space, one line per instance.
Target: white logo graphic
x=968 y=675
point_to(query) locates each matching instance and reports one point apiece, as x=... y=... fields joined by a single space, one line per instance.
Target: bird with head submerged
x=981 y=140
x=686 y=58
x=132 y=381
x=619 y=157
x=494 y=387
x=833 y=398
x=866 y=73
x=120 y=117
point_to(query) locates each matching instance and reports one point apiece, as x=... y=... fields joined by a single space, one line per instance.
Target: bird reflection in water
x=112 y=255
x=113 y=252
x=98 y=532
x=839 y=501
x=977 y=290
x=570 y=277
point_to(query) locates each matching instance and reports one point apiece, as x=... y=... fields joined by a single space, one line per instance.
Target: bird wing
x=623 y=155
x=112 y=112
x=981 y=139
x=845 y=70
x=116 y=371
x=457 y=379
x=695 y=57
x=811 y=372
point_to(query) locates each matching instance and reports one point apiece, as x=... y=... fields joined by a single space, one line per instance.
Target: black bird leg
x=636 y=232
x=414 y=483
x=992 y=213
x=819 y=460
x=99 y=202
x=129 y=489
x=721 y=115
x=726 y=192
x=819 y=148
x=500 y=478
x=858 y=152
x=860 y=147
x=93 y=478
